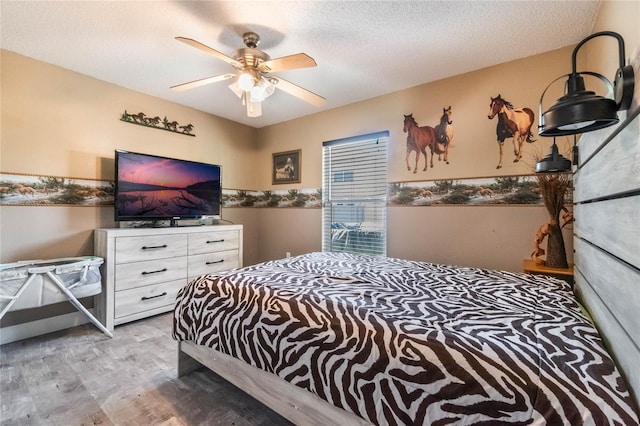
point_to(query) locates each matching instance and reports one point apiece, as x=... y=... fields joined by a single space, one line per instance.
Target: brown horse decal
x=512 y=122
x=418 y=140
x=444 y=133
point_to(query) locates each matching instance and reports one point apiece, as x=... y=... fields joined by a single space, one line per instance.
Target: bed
x=334 y=338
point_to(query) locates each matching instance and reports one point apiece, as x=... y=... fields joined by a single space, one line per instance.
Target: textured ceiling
x=363 y=49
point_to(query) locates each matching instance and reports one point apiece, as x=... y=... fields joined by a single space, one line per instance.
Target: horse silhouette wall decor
x=418 y=140
x=512 y=122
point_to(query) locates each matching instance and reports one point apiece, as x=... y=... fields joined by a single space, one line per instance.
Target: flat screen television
x=154 y=188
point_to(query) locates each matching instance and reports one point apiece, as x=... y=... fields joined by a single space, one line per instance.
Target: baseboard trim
x=36 y=328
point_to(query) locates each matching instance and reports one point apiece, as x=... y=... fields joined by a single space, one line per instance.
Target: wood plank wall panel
x=626 y=353
x=590 y=142
x=609 y=278
x=607 y=239
x=614 y=169
x=614 y=223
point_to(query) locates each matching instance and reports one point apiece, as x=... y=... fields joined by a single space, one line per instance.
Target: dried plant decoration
x=553 y=188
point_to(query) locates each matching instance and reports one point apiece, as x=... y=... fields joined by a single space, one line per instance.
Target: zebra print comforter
x=403 y=342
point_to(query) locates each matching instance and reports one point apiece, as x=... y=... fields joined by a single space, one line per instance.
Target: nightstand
x=565 y=274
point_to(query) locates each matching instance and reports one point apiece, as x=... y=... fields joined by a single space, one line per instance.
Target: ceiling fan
x=252 y=81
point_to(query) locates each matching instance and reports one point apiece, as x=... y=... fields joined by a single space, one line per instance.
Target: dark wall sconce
x=581 y=110
x=554 y=162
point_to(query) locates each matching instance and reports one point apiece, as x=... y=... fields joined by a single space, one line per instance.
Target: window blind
x=354 y=194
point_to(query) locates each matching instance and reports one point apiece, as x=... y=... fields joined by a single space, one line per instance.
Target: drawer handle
x=153 y=247
x=154 y=272
x=154 y=297
x=214 y=262
x=215 y=241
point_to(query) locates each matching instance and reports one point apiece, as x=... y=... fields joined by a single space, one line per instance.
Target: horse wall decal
x=418 y=140
x=512 y=122
x=502 y=129
x=444 y=133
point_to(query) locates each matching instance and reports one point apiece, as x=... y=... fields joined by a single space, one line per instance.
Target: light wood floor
x=81 y=377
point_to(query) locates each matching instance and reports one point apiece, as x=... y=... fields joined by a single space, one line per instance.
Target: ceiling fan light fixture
x=257 y=93
x=250 y=83
x=262 y=90
x=247 y=79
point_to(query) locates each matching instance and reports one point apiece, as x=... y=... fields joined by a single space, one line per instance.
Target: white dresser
x=145 y=267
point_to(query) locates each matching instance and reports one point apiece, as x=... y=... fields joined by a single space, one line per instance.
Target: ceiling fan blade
x=291 y=62
x=298 y=91
x=201 y=82
x=211 y=51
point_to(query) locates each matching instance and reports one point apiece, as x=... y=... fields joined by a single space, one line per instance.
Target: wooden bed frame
x=290 y=401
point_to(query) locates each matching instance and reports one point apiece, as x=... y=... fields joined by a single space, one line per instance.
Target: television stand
x=161 y=223
x=144 y=268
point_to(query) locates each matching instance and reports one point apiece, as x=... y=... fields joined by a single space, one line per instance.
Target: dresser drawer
x=148 y=247
x=138 y=274
x=206 y=242
x=136 y=300
x=201 y=264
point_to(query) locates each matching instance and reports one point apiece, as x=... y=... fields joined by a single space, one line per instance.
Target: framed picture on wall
x=286 y=167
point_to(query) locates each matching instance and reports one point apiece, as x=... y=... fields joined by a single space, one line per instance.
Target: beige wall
x=602 y=52
x=61 y=123
x=474 y=151
x=292 y=230
x=77 y=129
x=492 y=237
x=485 y=237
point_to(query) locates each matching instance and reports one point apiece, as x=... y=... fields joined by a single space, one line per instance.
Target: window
x=354 y=194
